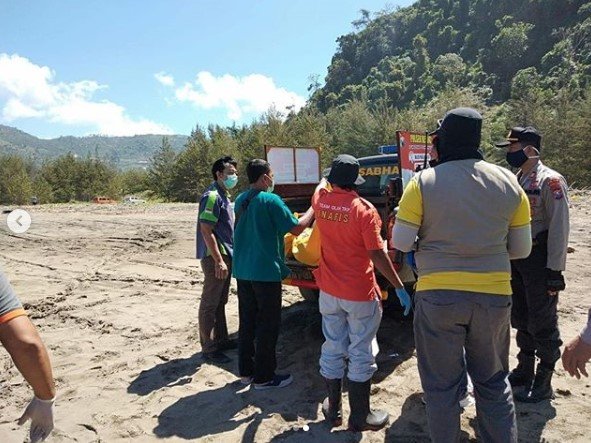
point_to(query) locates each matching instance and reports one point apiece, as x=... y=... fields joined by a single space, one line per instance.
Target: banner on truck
x=412 y=149
x=294 y=164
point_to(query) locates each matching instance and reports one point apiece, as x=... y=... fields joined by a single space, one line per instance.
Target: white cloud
x=164 y=78
x=253 y=94
x=30 y=91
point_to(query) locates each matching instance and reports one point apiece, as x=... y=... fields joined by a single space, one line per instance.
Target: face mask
x=231 y=181
x=271 y=188
x=517 y=158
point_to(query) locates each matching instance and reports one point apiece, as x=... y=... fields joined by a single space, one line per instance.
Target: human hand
x=576 y=354
x=554 y=282
x=404 y=298
x=40 y=412
x=221 y=270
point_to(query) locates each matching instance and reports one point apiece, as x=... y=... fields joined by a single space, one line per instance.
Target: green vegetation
x=524 y=62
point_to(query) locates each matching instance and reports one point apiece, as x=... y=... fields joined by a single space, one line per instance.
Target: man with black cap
x=470 y=217
x=537 y=279
x=350 y=304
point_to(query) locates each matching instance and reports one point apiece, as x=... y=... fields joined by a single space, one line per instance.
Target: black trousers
x=534 y=312
x=259 y=306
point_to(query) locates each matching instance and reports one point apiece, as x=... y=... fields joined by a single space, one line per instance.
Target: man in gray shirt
x=537 y=279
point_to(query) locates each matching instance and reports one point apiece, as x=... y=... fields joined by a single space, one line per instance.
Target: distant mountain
x=125 y=152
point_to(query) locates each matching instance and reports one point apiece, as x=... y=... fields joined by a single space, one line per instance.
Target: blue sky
x=122 y=67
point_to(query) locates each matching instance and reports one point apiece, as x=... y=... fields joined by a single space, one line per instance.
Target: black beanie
x=459 y=135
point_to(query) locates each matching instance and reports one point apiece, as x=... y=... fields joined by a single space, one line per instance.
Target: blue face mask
x=231 y=181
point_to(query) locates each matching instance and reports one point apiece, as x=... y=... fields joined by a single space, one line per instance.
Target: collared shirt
x=548 y=199
x=463 y=211
x=259 y=253
x=215 y=209
x=349 y=227
x=10 y=306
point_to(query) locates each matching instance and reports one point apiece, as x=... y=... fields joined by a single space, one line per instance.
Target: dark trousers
x=534 y=312
x=213 y=329
x=455 y=332
x=259 y=306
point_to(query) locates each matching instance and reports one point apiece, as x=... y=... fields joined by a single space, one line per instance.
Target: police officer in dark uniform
x=537 y=279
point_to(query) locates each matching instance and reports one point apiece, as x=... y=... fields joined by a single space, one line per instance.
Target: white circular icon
x=19 y=221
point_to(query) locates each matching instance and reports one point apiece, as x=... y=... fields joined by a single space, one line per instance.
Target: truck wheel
x=310 y=294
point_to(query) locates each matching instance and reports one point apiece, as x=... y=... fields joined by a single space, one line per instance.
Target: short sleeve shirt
x=216 y=210
x=349 y=227
x=10 y=306
x=259 y=253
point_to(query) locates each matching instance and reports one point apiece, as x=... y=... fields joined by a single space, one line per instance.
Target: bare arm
x=303 y=222
x=21 y=340
x=381 y=261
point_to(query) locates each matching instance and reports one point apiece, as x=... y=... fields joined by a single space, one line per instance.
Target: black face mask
x=517 y=158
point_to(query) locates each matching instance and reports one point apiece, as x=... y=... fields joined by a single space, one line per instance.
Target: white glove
x=41 y=414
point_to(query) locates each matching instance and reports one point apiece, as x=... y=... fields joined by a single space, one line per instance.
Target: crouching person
x=349 y=295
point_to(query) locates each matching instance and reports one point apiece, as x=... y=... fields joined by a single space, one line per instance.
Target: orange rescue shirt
x=349 y=227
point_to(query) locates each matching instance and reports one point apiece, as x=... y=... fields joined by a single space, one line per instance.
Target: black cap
x=527 y=134
x=345 y=171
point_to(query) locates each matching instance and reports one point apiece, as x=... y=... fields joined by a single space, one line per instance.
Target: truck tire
x=310 y=294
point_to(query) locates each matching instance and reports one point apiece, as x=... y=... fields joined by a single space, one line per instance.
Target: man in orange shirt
x=349 y=295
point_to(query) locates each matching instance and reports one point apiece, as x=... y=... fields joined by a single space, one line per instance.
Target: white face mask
x=271 y=188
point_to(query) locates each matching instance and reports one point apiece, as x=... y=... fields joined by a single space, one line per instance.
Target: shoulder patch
x=556 y=187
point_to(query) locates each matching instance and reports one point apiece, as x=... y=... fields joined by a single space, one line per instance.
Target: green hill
x=407 y=56
x=125 y=152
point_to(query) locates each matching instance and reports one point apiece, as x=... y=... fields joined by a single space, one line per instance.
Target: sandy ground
x=114 y=291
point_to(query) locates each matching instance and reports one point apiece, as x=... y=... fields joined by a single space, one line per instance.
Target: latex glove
x=404 y=300
x=41 y=414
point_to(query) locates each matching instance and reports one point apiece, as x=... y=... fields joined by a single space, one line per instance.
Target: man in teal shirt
x=262 y=220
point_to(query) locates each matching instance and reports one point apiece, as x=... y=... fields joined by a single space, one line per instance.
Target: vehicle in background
x=383 y=188
x=102 y=200
x=133 y=200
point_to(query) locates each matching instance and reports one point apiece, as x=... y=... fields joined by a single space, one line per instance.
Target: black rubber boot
x=362 y=418
x=523 y=374
x=332 y=406
x=542 y=387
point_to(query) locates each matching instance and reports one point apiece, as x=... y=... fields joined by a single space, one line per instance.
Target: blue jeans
x=350 y=329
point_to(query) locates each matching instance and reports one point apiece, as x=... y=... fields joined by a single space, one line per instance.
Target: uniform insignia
x=556 y=188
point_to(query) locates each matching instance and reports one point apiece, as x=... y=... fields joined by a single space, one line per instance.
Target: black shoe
x=228 y=345
x=523 y=374
x=363 y=418
x=216 y=357
x=541 y=389
x=332 y=407
x=279 y=381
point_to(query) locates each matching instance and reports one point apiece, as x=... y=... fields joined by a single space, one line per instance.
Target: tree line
x=358 y=127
